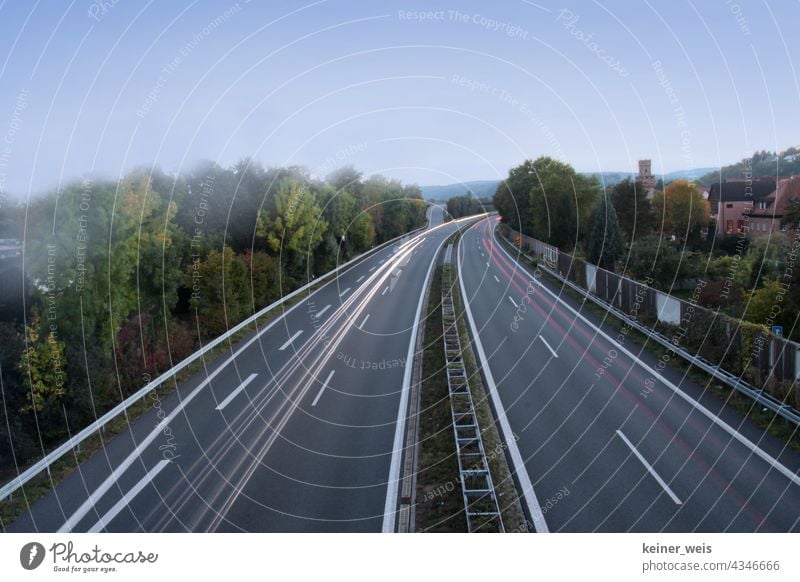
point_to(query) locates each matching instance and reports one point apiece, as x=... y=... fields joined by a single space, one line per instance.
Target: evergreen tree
x=634 y=210
x=603 y=241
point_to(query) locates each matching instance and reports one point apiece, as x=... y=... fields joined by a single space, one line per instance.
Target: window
x=729 y=227
x=729 y=206
x=783 y=228
x=740 y=226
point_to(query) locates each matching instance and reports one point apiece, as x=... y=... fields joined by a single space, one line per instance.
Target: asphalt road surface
x=606 y=442
x=299 y=426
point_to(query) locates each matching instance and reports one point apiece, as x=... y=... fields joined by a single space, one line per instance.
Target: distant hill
x=487 y=188
x=479 y=188
x=763 y=164
x=612 y=178
x=609 y=178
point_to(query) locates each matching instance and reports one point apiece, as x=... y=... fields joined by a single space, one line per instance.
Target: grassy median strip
x=439 y=506
x=439 y=501
x=507 y=495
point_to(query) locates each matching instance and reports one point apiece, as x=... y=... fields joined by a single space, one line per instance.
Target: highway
x=298 y=427
x=606 y=442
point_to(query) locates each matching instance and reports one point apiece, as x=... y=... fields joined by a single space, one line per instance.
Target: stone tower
x=646 y=178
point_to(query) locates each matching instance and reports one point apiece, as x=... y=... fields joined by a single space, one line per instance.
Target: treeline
x=669 y=239
x=548 y=200
x=124 y=279
x=762 y=164
x=467 y=205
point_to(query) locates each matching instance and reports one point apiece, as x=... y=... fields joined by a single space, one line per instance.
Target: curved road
x=295 y=429
x=607 y=443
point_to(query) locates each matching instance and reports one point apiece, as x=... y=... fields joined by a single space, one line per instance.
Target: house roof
x=787 y=190
x=741 y=190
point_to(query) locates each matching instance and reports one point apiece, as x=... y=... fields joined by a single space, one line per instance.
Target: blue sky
x=463 y=92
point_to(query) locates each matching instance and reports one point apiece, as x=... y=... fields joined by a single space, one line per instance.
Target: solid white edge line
x=236 y=392
x=321 y=311
x=290 y=340
x=755 y=449
x=128 y=497
x=519 y=469
x=363 y=322
x=321 y=390
x=552 y=351
x=393 y=482
x=650 y=469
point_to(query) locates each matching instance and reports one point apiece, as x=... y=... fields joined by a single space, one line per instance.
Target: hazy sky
x=462 y=92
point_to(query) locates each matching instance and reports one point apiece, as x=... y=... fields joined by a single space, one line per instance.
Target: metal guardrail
x=761 y=396
x=480 y=499
x=44 y=464
x=757 y=394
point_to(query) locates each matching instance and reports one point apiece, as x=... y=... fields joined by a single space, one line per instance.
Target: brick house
x=732 y=202
x=766 y=215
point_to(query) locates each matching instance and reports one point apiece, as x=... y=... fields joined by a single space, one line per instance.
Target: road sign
x=777 y=330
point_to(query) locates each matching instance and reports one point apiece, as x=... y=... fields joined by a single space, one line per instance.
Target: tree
x=264 y=279
x=18 y=432
x=292 y=225
x=791 y=216
x=762 y=261
x=634 y=209
x=348 y=179
x=361 y=232
x=466 y=205
x=651 y=257
x=766 y=305
x=561 y=201
x=683 y=209
x=42 y=370
x=548 y=200
x=512 y=198
x=349 y=228
x=220 y=295
x=603 y=241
